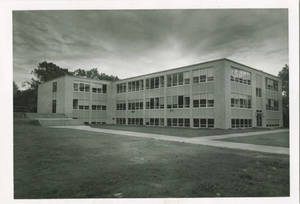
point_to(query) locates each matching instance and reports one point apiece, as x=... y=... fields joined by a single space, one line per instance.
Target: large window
x=177 y=102
x=241 y=123
x=240 y=101
x=136 y=104
x=271 y=84
x=155 y=82
x=203 y=75
x=121 y=88
x=203 y=100
x=272 y=104
x=75 y=103
x=258 y=92
x=240 y=76
x=204 y=122
x=155 y=103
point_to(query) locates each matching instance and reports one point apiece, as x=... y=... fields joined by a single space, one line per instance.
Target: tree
x=94 y=74
x=284 y=76
x=15 y=89
x=47 y=71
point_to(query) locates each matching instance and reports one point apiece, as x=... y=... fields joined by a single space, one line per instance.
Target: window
x=180 y=78
x=169 y=122
x=161 y=80
x=202 y=102
x=186 y=122
x=258 y=92
x=161 y=103
x=81 y=86
x=240 y=76
x=151 y=103
x=175 y=101
x=54 y=86
x=180 y=122
x=240 y=101
x=156 y=103
x=169 y=80
x=203 y=123
x=141 y=84
x=162 y=122
x=210 y=123
x=186 y=76
x=75 y=103
x=210 y=74
x=174 y=122
x=271 y=84
x=196 y=103
x=272 y=104
x=147 y=103
x=87 y=88
x=53 y=106
x=210 y=100
x=180 y=101
x=202 y=78
x=186 y=102
x=196 y=122
x=169 y=101
x=147 y=84
x=152 y=83
x=156 y=82
x=174 y=79
x=86 y=107
x=75 y=87
x=196 y=80
x=104 y=88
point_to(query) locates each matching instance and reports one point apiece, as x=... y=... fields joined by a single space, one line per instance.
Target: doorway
x=258 y=118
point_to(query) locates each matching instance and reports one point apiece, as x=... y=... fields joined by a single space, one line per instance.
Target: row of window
x=240 y=76
x=271 y=84
x=204 y=122
x=200 y=100
x=171 y=122
x=121 y=106
x=203 y=100
x=273 y=125
x=240 y=101
x=203 y=75
x=180 y=78
x=121 y=121
x=135 y=104
x=121 y=88
x=87 y=107
x=135 y=121
x=241 y=123
x=272 y=104
x=82 y=87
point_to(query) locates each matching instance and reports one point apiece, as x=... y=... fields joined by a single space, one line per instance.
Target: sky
x=128 y=43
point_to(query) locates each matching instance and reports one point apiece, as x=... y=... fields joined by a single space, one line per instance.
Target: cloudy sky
x=134 y=42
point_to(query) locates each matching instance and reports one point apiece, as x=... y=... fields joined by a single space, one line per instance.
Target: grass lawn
x=181 y=132
x=66 y=163
x=276 y=139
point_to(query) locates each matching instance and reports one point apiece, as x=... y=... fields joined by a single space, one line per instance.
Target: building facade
x=215 y=94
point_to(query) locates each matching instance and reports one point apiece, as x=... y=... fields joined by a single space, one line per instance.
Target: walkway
x=205 y=140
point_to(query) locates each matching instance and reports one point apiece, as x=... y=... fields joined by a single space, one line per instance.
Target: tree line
x=26 y=100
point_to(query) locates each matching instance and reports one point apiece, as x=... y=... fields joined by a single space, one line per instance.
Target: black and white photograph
x=152 y=103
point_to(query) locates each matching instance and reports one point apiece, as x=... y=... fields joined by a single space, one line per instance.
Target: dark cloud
x=132 y=42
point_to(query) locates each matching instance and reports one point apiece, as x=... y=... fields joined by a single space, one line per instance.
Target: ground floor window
x=204 y=122
x=135 y=121
x=154 y=121
x=178 y=122
x=121 y=121
x=241 y=123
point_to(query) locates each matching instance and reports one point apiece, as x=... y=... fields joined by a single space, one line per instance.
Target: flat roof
x=201 y=63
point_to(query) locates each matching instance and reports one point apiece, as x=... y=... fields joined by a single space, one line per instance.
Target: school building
x=215 y=94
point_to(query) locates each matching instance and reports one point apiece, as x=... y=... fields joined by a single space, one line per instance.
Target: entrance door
x=53 y=106
x=258 y=118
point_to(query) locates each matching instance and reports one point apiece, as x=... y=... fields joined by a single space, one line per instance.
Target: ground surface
x=277 y=139
x=65 y=163
x=181 y=132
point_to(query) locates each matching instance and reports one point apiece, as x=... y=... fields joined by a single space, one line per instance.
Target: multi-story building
x=215 y=94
